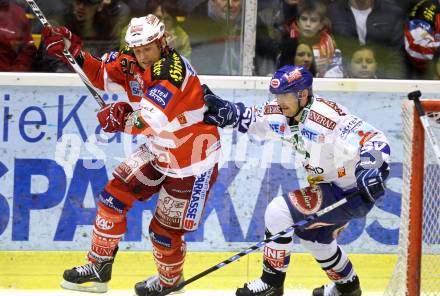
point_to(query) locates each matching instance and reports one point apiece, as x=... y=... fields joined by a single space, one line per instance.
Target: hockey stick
x=68 y=56
x=415 y=96
x=300 y=225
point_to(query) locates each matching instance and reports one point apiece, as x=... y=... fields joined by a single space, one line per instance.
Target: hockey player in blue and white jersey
x=341 y=154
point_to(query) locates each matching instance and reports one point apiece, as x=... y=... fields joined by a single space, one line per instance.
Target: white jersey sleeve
x=335 y=140
x=328 y=139
x=262 y=122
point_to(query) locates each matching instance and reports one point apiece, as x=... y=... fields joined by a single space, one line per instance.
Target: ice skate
x=91 y=277
x=259 y=288
x=152 y=287
x=331 y=290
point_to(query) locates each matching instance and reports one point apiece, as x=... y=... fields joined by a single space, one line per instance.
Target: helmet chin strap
x=292 y=118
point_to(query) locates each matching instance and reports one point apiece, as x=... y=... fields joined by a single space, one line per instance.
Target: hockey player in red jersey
x=179 y=161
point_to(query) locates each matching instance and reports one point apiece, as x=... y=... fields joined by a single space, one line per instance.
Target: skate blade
x=91 y=287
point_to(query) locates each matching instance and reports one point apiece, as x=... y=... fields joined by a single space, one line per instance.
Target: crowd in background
x=339 y=38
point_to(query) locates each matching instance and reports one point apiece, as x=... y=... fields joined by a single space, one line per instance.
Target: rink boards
x=54 y=160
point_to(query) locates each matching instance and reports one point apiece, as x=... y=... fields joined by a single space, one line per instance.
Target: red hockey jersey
x=171 y=109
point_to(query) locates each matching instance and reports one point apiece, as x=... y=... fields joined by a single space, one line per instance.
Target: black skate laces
x=257 y=285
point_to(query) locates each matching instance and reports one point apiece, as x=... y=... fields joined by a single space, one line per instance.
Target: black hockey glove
x=220 y=112
x=370 y=183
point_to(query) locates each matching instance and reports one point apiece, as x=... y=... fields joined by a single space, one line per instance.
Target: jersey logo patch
x=111 y=57
x=307 y=200
x=159 y=95
x=277 y=127
x=182 y=119
x=136 y=89
x=272 y=109
x=310 y=134
x=332 y=105
x=352 y=125
x=160 y=239
x=276 y=258
x=322 y=120
x=197 y=202
x=171 y=68
x=170 y=210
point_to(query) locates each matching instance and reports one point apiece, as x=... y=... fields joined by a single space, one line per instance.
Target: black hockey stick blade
x=299 y=225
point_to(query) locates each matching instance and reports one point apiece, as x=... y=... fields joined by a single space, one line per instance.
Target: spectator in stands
x=267 y=37
x=370 y=22
x=136 y=7
x=312 y=27
x=287 y=13
x=362 y=64
x=188 y=5
x=214 y=28
x=166 y=11
x=298 y=54
x=422 y=36
x=97 y=22
x=17 y=49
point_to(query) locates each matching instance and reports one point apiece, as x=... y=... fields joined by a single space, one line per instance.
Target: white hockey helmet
x=144 y=30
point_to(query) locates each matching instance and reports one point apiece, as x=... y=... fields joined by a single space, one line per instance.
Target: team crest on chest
x=307 y=200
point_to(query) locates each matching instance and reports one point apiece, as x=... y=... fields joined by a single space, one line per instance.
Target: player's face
x=363 y=64
x=303 y=56
x=147 y=55
x=221 y=8
x=84 y=11
x=309 y=24
x=290 y=103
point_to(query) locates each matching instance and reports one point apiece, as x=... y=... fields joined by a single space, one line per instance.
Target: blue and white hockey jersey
x=327 y=138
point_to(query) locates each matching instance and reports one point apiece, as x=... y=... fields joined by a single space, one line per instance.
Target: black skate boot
x=92 y=277
x=152 y=287
x=351 y=288
x=259 y=288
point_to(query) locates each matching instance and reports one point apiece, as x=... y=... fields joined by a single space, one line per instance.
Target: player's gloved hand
x=112 y=117
x=55 y=40
x=220 y=112
x=370 y=183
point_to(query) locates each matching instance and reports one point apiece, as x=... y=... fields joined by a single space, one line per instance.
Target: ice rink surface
x=12 y=292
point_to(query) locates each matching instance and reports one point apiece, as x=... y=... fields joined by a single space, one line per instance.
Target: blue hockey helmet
x=291 y=79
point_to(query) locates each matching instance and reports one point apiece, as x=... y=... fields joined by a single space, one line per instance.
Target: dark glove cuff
x=80 y=59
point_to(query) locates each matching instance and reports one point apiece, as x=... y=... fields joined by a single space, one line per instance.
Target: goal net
x=417 y=271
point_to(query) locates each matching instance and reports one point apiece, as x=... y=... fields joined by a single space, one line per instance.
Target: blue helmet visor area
x=298 y=94
x=291 y=79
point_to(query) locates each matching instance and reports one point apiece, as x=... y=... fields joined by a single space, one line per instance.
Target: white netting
x=431 y=218
x=430 y=283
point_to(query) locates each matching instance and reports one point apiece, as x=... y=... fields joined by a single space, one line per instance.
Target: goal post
x=417 y=270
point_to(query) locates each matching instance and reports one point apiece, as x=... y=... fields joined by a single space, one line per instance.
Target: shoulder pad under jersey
x=127 y=51
x=171 y=68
